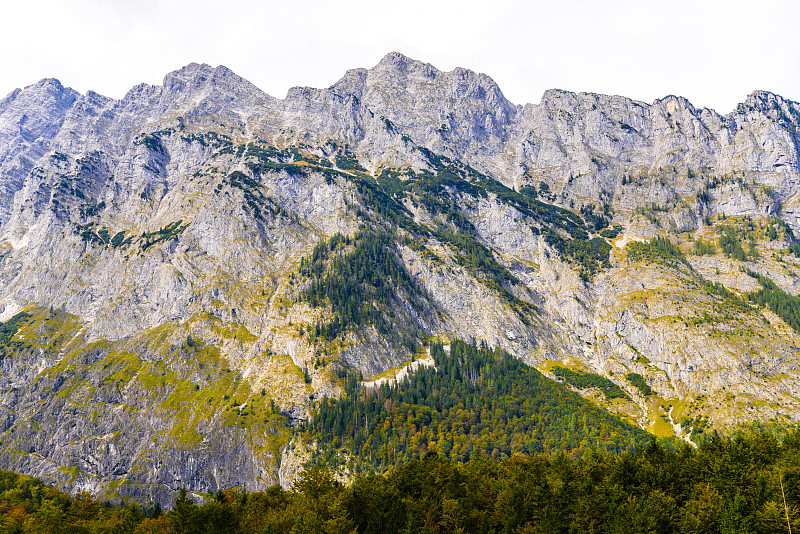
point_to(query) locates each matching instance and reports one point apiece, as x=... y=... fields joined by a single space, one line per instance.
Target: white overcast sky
x=712 y=52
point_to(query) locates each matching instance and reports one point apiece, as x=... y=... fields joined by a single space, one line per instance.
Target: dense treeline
x=725 y=486
x=475 y=402
x=28 y=506
x=744 y=485
x=637 y=381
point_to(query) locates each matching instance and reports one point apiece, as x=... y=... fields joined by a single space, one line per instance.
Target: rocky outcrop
x=29 y=119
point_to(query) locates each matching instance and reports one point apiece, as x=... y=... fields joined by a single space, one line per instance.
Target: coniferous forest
x=743 y=485
x=475 y=401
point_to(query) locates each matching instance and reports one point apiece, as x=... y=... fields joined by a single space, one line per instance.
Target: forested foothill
x=475 y=401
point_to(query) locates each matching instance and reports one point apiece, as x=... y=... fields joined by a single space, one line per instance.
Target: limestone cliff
x=158 y=245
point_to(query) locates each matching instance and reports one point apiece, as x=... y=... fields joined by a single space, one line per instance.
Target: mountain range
x=185 y=272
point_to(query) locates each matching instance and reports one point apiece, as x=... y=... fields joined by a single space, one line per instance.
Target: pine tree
x=182 y=515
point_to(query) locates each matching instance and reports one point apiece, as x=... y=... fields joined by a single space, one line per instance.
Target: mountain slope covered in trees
x=472 y=402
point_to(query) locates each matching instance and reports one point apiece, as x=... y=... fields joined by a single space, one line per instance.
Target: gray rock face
x=181 y=212
x=587 y=143
x=29 y=119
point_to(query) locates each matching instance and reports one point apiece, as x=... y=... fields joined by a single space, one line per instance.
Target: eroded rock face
x=177 y=217
x=29 y=119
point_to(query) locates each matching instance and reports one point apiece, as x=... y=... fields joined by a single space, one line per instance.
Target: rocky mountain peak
x=202 y=78
x=352 y=83
x=675 y=104
x=777 y=108
x=571 y=102
x=761 y=98
x=193 y=74
x=399 y=64
x=48 y=93
x=48 y=86
x=29 y=119
x=399 y=72
x=10 y=97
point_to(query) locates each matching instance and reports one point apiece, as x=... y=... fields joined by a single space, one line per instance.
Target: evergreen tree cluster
x=782 y=304
x=731 y=237
x=261 y=158
x=474 y=402
x=731 y=246
x=582 y=380
x=657 y=249
x=638 y=382
x=365 y=284
x=347 y=160
x=743 y=485
x=701 y=248
x=597 y=221
x=611 y=232
x=590 y=254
